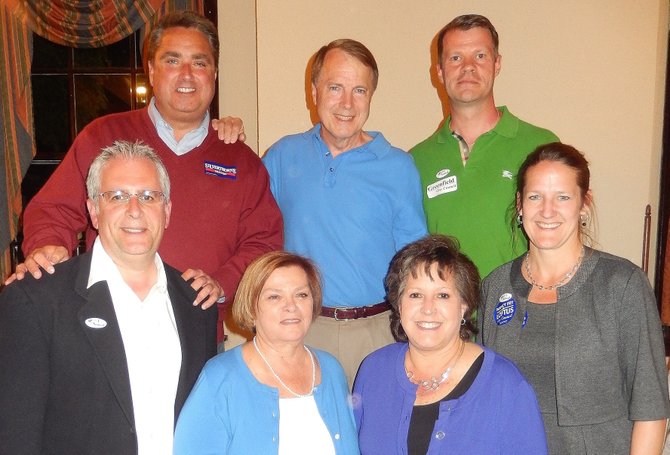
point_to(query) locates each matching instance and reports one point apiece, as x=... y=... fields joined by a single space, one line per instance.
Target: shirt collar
x=104 y=269
x=374 y=146
x=507 y=126
x=191 y=140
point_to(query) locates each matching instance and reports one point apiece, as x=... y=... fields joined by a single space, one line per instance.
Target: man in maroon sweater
x=223 y=215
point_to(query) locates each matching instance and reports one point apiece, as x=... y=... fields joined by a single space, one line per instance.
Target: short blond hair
x=258 y=272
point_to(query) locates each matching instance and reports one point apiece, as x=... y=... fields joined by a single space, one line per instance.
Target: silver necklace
x=298 y=395
x=434 y=383
x=563 y=280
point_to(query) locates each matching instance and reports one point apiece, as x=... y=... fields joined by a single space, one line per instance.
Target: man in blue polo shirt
x=349 y=200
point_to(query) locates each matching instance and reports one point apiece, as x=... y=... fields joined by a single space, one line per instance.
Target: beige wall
x=593 y=72
x=237 y=67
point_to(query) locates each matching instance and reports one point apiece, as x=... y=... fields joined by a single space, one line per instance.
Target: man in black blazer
x=99 y=357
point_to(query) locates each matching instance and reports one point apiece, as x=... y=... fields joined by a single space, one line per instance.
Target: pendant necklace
x=563 y=280
x=432 y=384
x=298 y=395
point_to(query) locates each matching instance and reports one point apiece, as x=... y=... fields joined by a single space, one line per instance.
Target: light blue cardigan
x=230 y=412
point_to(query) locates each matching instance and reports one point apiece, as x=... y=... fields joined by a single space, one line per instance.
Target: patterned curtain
x=74 y=23
x=16 y=126
x=93 y=23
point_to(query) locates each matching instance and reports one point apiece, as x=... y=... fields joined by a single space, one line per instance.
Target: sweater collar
x=523 y=287
x=475 y=389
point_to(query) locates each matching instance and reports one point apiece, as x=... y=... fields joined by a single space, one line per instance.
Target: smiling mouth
x=428 y=325
x=185 y=89
x=344 y=117
x=134 y=230
x=548 y=225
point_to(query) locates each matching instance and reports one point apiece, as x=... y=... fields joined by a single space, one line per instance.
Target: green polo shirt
x=475 y=202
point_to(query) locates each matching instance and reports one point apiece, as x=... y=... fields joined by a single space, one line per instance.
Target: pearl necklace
x=298 y=395
x=432 y=384
x=561 y=282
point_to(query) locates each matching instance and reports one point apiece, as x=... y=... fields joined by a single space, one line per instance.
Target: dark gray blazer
x=64 y=386
x=609 y=358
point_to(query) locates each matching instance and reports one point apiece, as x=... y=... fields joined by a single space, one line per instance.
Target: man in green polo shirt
x=468 y=167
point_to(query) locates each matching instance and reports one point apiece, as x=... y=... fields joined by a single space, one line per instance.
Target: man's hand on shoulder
x=209 y=290
x=230 y=129
x=40 y=258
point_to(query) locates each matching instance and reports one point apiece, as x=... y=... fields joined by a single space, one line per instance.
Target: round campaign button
x=505 y=309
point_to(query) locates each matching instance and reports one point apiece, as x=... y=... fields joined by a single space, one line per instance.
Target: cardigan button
x=439 y=435
x=337 y=435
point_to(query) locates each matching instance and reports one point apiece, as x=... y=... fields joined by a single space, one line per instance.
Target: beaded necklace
x=434 y=383
x=298 y=395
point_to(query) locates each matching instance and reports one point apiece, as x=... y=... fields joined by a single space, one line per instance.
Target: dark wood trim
x=211 y=13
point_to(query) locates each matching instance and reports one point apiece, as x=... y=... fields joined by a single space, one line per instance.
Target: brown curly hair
x=423 y=253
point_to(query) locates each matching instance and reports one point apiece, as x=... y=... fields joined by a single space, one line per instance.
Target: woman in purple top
x=435 y=391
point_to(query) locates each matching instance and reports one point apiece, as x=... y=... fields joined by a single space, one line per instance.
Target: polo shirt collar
x=507 y=126
x=370 y=147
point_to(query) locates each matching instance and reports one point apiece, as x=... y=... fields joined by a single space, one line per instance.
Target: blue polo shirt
x=349 y=214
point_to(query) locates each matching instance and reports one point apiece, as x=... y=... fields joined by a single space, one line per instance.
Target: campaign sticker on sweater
x=447 y=185
x=220 y=170
x=505 y=309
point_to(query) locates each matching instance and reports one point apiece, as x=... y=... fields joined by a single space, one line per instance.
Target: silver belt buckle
x=335 y=314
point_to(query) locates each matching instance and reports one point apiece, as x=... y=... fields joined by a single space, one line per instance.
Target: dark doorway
x=664 y=209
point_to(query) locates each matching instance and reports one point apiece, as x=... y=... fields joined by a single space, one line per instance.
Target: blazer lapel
x=98 y=321
x=190 y=327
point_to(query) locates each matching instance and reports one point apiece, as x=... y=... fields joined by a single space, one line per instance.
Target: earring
x=463 y=321
x=519 y=219
x=584 y=219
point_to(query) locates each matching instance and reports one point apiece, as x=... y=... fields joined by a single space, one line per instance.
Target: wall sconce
x=141 y=93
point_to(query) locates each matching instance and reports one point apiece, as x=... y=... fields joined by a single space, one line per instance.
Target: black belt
x=342 y=314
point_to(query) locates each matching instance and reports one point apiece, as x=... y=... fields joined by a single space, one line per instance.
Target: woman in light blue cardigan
x=273 y=395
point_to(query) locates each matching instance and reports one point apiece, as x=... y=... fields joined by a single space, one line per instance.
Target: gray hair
x=125 y=150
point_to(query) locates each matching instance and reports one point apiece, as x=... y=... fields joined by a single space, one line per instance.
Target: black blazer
x=64 y=386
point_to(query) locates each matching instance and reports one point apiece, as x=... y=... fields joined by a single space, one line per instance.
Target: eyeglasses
x=146 y=197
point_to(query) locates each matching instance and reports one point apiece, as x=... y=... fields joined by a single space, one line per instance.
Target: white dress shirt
x=153 y=350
